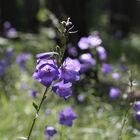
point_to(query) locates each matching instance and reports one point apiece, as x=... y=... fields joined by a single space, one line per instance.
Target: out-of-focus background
x=30 y=27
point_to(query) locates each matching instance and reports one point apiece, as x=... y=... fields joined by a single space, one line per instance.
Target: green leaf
x=35 y=106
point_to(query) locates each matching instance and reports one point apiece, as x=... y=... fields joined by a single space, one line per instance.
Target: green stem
x=37 y=112
x=127 y=111
x=61 y=132
x=123 y=123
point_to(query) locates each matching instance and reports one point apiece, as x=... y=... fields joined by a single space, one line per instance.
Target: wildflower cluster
x=9 y=31
x=48 y=72
x=57 y=75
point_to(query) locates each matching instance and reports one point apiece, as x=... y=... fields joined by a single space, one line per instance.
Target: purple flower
x=46 y=72
x=80 y=98
x=24 y=86
x=137 y=106
x=50 y=131
x=11 y=33
x=70 y=70
x=3 y=66
x=106 y=69
x=21 y=60
x=89 y=42
x=45 y=55
x=83 y=43
x=72 y=51
x=85 y=67
x=33 y=93
x=87 y=58
x=101 y=52
x=116 y=76
x=66 y=116
x=114 y=93
x=137 y=116
x=123 y=67
x=9 y=52
x=64 y=90
x=94 y=40
x=7 y=25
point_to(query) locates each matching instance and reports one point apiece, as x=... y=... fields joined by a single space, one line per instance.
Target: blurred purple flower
x=85 y=67
x=4 y=63
x=137 y=105
x=48 y=111
x=11 y=33
x=7 y=25
x=72 y=51
x=87 y=58
x=106 y=68
x=64 y=90
x=50 y=131
x=81 y=98
x=33 y=93
x=70 y=70
x=24 y=86
x=116 y=76
x=67 y=116
x=83 y=43
x=9 y=52
x=21 y=60
x=137 y=116
x=94 y=40
x=123 y=67
x=114 y=93
x=3 y=66
x=46 y=72
x=102 y=53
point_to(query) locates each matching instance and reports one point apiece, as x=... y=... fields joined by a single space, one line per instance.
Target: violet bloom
x=123 y=67
x=50 y=131
x=116 y=76
x=70 y=70
x=67 y=116
x=11 y=33
x=114 y=93
x=85 y=67
x=72 y=51
x=21 y=60
x=106 y=69
x=102 y=53
x=88 y=59
x=64 y=90
x=137 y=106
x=94 y=40
x=7 y=25
x=46 y=72
x=3 y=66
x=83 y=43
x=24 y=86
x=33 y=93
x=137 y=116
x=9 y=52
x=81 y=98
x=87 y=62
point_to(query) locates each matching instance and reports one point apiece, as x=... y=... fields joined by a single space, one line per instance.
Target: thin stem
x=61 y=132
x=123 y=123
x=37 y=112
x=129 y=100
x=64 y=47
